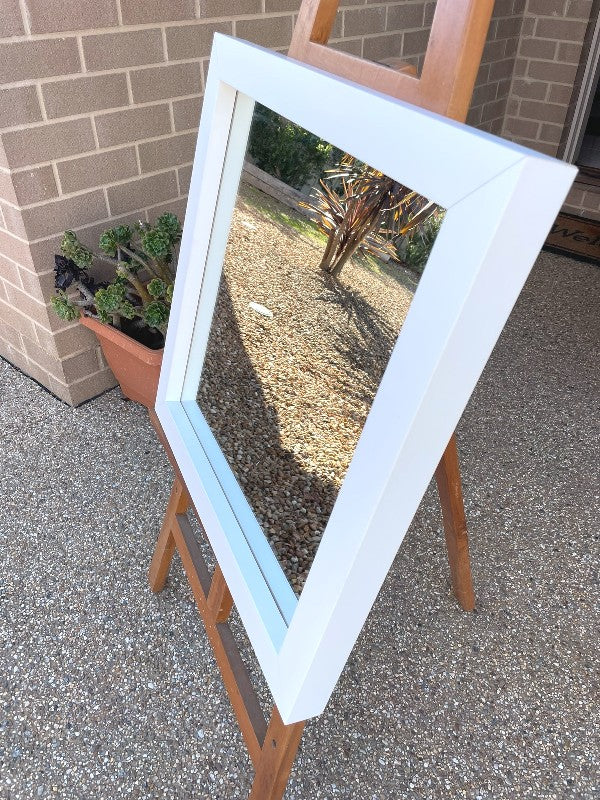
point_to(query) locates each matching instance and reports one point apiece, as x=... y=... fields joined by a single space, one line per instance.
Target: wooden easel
x=456 y=44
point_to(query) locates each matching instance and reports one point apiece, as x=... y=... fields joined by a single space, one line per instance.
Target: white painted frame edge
x=506 y=197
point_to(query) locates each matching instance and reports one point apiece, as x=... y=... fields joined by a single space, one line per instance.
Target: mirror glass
x=323 y=258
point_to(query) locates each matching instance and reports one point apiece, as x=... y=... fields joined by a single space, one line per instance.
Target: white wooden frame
x=501 y=201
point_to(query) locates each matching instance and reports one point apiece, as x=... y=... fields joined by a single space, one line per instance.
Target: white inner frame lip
x=482 y=182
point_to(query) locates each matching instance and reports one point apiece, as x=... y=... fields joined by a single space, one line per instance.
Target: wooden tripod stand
x=446 y=84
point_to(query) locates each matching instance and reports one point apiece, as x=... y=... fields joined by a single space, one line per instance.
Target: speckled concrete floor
x=108 y=691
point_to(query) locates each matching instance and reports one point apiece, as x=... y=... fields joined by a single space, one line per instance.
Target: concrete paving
x=107 y=691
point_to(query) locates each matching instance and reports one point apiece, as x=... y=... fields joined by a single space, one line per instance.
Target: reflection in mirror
x=323 y=258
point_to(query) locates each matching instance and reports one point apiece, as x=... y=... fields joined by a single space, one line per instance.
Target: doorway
x=583 y=143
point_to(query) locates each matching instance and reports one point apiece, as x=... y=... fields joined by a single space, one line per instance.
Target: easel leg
x=448 y=480
x=165 y=546
x=220 y=601
x=277 y=756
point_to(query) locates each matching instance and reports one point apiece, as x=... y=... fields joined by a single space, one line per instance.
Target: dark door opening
x=588 y=158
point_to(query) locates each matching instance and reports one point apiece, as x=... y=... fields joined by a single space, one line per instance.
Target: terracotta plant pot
x=136 y=367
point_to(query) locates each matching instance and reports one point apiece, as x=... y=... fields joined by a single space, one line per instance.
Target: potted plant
x=129 y=312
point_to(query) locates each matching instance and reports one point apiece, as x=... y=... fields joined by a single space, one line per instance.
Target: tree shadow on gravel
x=291 y=504
x=366 y=342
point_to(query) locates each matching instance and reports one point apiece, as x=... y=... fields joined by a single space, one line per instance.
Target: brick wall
x=547 y=68
x=99 y=105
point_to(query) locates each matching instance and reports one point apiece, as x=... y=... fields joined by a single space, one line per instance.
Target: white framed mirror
x=307 y=414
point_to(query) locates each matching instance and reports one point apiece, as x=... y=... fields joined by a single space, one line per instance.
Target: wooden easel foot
x=448 y=480
x=277 y=757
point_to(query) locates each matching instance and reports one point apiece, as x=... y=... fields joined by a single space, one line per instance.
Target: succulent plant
x=143 y=258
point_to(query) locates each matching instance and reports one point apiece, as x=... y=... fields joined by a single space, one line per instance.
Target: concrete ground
x=107 y=691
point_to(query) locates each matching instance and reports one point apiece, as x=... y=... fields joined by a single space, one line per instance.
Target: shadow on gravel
x=291 y=504
x=365 y=343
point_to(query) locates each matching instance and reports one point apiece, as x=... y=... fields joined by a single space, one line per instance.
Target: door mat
x=576 y=237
